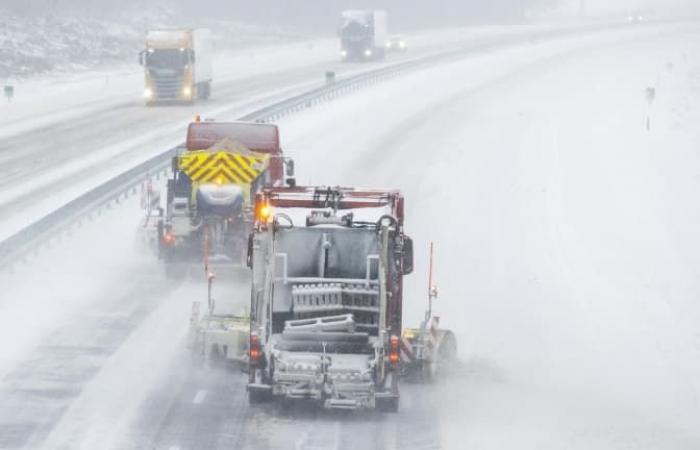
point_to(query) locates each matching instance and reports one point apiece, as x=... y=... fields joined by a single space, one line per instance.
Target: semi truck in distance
x=363 y=35
x=178 y=65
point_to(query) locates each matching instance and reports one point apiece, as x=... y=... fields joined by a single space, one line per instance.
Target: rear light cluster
x=254 y=352
x=168 y=239
x=394 y=355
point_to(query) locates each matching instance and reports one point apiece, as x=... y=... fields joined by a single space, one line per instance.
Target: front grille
x=167 y=86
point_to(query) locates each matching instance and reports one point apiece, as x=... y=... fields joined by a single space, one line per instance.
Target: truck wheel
x=388 y=405
x=256 y=396
x=447 y=352
x=204 y=91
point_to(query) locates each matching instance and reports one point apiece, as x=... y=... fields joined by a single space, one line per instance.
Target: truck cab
x=177 y=65
x=363 y=35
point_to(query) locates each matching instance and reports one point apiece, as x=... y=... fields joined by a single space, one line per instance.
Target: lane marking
x=174 y=447
x=336 y=436
x=199 y=397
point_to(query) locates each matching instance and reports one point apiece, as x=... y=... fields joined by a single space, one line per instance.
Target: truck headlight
x=148 y=93
x=343 y=53
x=187 y=91
x=368 y=53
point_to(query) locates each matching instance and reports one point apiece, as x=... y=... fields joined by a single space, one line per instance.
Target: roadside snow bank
x=69 y=43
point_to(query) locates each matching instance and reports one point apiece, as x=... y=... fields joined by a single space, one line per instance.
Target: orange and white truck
x=177 y=65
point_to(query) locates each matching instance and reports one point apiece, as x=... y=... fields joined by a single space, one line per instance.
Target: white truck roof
x=169 y=38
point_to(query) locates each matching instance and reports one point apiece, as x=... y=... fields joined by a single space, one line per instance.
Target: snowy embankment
x=70 y=43
x=566 y=233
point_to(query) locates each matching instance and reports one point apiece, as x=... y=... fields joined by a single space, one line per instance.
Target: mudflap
x=388 y=403
x=259 y=393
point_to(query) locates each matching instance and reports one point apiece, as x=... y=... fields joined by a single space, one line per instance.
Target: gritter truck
x=363 y=35
x=178 y=65
x=215 y=176
x=326 y=299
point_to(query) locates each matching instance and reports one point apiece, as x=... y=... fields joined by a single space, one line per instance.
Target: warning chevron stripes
x=222 y=167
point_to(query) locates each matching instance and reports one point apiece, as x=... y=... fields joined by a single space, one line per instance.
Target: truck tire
x=256 y=396
x=447 y=352
x=388 y=405
x=204 y=90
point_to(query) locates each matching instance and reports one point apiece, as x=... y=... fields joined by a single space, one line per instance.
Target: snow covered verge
x=67 y=43
x=566 y=233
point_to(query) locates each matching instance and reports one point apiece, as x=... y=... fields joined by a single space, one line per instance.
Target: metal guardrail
x=60 y=222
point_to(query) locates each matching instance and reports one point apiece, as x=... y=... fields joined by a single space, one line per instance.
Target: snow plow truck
x=326 y=300
x=208 y=214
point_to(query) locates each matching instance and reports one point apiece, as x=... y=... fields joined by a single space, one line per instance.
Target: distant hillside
x=32 y=44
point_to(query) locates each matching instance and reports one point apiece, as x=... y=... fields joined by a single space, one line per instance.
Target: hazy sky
x=323 y=13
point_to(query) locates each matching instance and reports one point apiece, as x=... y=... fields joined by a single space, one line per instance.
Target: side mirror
x=289 y=165
x=407 y=257
x=289 y=172
x=142 y=57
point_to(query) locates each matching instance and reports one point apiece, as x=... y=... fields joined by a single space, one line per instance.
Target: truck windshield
x=170 y=58
x=355 y=30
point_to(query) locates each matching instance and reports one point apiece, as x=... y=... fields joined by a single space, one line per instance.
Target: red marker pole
x=430 y=284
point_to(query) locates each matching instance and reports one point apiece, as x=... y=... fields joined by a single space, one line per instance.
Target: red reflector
x=254 y=352
x=394 y=357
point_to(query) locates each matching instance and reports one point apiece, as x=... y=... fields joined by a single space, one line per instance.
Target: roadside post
x=9 y=92
x=650 y=94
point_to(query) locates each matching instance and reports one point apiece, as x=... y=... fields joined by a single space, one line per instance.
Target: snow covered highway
x=565 y=230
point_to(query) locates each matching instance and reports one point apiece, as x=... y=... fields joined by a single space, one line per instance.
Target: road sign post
x=650 y=94
x=9 y=92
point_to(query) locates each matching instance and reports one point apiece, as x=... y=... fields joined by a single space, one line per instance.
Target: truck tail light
x=168 y=239
x=255 y=352
x=394 y=355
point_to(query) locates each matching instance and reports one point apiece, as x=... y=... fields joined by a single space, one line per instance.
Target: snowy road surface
x=567 y=257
